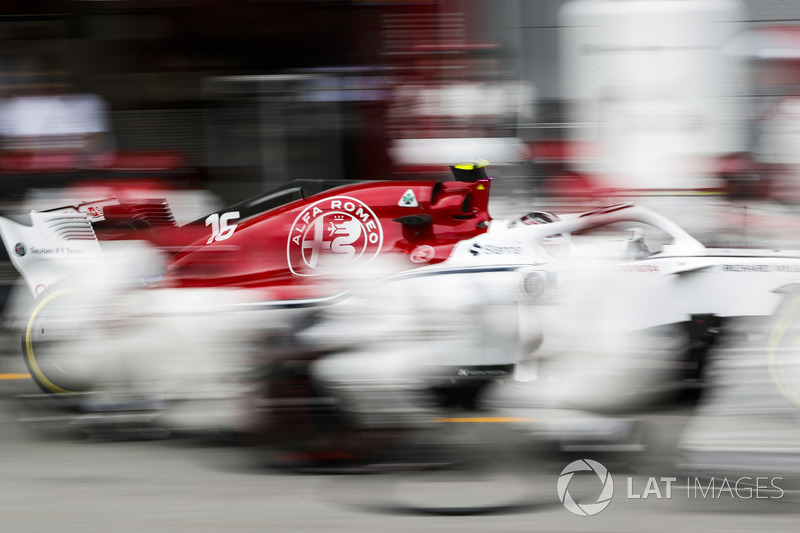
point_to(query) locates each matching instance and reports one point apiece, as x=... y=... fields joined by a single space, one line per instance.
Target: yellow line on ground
x=486 y=419
x=15 y=376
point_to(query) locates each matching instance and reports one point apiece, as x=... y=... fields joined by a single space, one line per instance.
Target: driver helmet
x=558 y=244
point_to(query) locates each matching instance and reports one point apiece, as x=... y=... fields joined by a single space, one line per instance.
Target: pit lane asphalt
x=81 y=483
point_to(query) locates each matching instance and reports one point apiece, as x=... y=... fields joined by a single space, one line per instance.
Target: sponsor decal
x=746 y=268
x=760 y=268
x=636 y=268
x=332 y=233
x=60 y=250
x=480 y=372
x=422 y=254
x=20 y=249
x=495 y=249
x=409 y=199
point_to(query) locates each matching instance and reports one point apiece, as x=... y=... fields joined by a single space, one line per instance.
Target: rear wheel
x=49 y=339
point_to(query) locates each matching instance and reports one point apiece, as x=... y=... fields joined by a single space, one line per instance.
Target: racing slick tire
x=783 y=349
x=52 y=324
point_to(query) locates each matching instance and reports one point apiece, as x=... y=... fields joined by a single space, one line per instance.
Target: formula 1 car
x=383 y=345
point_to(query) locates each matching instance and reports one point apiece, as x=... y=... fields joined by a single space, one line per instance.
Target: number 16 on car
x=221 y=228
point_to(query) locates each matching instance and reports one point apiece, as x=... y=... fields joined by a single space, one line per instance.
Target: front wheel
x=783 y=350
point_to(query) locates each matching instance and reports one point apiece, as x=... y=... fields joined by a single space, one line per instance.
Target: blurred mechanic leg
x=377 y=387
x=392 y=382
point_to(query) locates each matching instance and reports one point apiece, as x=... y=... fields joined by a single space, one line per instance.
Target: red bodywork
x=289 y=248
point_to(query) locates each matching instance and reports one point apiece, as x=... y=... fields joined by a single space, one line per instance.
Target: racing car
x=469 y=302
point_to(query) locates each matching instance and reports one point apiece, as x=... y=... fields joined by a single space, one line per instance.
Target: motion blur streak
x=134 y=347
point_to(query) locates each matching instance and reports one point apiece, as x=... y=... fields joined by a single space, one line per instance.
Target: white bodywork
x=55 y=245
x=660 y=287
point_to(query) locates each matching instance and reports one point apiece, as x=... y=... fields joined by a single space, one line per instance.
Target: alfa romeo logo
x=585 y=509
x=332 y=233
